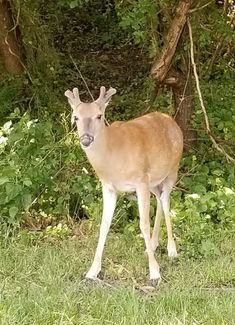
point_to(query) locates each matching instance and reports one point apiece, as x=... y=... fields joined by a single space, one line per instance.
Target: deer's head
x=89 y=117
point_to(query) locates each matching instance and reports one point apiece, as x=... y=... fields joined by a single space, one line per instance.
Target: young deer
x=140 y=155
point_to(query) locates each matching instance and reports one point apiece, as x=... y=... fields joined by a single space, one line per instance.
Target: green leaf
x=7 y=125
x=12 y=190
x=27 y=182
x=74 y=4
x=13 y=211
x=60 y=200
x=199 y=188
x=217 y=172
x=76 y=188
x=27 y=200
x=3 y=180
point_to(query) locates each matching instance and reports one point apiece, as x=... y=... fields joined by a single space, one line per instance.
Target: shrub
x=38 y=172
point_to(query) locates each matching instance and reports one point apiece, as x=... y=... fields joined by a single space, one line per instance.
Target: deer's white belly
x=120 y=186
x=129 y=186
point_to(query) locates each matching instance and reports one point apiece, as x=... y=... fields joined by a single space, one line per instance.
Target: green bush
x=40 y=173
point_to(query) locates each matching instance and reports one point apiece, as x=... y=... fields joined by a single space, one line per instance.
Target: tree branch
x=200 y=8
x=163 y=63
x=208 y=130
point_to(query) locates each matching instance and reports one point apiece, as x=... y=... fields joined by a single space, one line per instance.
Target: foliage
x=73 y=3
x=45 y=180
x=11 y=89
x=219 y=100
x=36 y=171
x=139 y=19
x=208 y=205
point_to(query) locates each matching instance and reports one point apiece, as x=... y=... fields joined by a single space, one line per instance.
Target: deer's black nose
x=86 y=139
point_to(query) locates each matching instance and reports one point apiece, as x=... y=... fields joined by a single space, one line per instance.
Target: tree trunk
x=162 y=65
x=182 y=89
x=181 y=85
x=9 y=47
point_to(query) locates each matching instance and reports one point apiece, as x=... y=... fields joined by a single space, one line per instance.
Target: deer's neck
x=98 y=153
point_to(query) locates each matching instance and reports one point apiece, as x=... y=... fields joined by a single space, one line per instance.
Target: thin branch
x=208 y=130
x=184 y=92
x=214 y=57
x=225 y=6
x=188 y=173
x=16 y=21
x=54 y=147
x=16 y=24
x=199 y=8
x=83 y=79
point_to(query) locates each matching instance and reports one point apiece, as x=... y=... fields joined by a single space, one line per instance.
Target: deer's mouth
x=86 y=140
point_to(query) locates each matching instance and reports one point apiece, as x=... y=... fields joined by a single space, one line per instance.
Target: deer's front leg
x=109 y=204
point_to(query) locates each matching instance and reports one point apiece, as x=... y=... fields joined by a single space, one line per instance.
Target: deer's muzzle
x=86 y=139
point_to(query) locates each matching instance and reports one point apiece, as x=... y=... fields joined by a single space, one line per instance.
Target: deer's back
x=151 y=135
x=149 y=146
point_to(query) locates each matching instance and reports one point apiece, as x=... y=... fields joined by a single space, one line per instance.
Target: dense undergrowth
x=45 y=180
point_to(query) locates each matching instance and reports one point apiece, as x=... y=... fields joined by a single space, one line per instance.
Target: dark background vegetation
x=47 y=47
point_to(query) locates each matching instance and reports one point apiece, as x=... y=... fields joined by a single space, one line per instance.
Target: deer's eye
x=99 y=117
x=76 y=119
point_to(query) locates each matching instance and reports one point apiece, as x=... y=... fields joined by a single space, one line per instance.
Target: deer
x=141 y=155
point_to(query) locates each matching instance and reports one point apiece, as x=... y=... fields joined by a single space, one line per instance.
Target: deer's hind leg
x=157 y=223
x=143 y=196
x=166 y=187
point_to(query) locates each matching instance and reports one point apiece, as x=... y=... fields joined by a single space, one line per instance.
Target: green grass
x=41 y=282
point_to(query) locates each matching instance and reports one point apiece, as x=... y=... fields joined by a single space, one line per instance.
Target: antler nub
x=76 y=93
x=105 y=96
x=102 y=94
x=110 y=93
x=73 y=97
x=69 y=94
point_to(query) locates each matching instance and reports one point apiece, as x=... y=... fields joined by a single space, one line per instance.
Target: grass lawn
x=41 y=282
